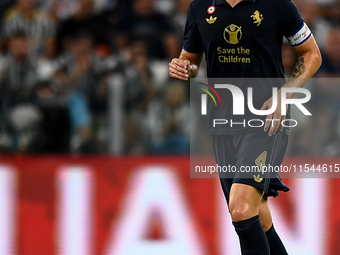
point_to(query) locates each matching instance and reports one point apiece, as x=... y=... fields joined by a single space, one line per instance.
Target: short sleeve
x=192 y=41
x=292 y=24
x=290 y=18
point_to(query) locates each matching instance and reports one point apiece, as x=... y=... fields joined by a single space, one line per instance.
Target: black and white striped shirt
x=39 y=28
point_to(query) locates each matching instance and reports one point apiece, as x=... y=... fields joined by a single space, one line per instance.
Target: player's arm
x=309 y=62
x=186 y=66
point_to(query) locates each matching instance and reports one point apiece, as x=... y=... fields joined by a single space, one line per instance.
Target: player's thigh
x=265 y=215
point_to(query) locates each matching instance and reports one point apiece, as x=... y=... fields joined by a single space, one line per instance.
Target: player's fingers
x=173 y=73
x=182 y=63
x=179 y=76
x=275 y=125
x=274 y=128
x=268 y=122
x=178 y=68
x=187 y=64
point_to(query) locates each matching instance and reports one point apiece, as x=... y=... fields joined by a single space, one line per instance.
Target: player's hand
x=274 y=120
x=179 y=69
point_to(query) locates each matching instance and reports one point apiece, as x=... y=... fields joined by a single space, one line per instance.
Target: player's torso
x=243 y=41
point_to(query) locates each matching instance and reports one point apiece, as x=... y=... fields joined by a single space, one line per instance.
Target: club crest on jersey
x=257 y=17
x=211 y=9
x=211 y=20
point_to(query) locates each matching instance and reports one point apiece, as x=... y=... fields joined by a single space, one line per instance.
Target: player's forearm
x=307 y=65
x=195 y=62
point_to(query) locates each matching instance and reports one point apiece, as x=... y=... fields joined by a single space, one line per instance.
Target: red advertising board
x=104 y=205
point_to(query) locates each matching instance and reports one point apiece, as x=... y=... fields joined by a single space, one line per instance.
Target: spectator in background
x=327 y=92
x=54 y=133
x=83 y=73
x=85 y=20
x=311 y=13
x=76 y=70
x=139 y=91
x=18 y=78
x=168 y=121
x=143 y=90
x=37 y=26
x=142 y=87
x=160 y=126
x=331 y=55
x=144 y=22
x=64 y=9
x=18 y=69
x=180 y=16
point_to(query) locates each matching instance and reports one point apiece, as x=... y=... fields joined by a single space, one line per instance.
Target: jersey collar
x=217 y=2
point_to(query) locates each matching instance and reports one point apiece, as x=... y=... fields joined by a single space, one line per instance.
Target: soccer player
x=243 y=38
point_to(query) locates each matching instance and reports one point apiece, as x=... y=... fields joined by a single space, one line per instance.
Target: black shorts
x=251 y=150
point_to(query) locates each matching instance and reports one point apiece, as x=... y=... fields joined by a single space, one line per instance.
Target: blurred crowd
x=62 y=61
